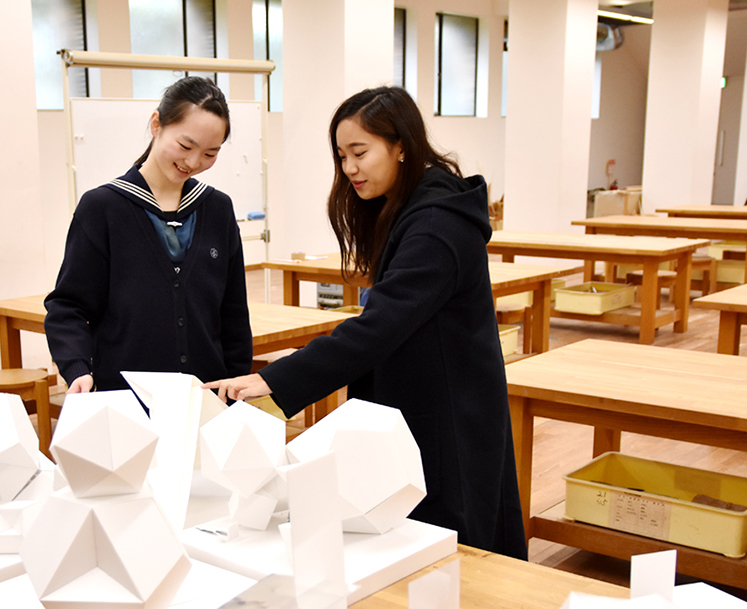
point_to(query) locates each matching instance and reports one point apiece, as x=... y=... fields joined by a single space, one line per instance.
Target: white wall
x=618 y=132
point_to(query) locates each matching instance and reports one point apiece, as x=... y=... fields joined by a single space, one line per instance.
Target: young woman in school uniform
x=427 y=340
x=153 y=274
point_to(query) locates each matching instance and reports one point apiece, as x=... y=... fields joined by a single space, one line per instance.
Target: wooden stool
x=706 y=264
x=514 y=314
x=32 y=385
x=666 y=279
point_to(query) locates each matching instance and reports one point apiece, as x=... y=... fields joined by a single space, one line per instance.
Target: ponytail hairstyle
x=362 y=227
x=185 y=93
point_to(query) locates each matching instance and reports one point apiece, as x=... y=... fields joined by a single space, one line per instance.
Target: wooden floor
x=561 y=447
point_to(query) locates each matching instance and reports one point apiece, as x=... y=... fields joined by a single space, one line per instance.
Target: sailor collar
x=133 y=186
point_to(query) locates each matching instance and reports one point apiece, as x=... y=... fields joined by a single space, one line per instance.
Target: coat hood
x=466 y=197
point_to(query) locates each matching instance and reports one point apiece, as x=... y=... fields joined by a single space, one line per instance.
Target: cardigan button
x=177 y=283
x=183 y=359
x=180 y=322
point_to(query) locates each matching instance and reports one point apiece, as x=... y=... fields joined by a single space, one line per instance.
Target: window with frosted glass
x=57 y=24
x=176 y=28
x=456 y=65
x=400 y=40
x=267 y=21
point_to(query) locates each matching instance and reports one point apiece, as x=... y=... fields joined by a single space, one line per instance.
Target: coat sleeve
x=419 y=280
x=236 y=334
x=75 y=305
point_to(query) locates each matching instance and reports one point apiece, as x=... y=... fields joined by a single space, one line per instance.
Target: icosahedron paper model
x=380 y=473
x=104 y=541
x=110 y=551
x=241 y=450
x=103 y=443
x=19 y=447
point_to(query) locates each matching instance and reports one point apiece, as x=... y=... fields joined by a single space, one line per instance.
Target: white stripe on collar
x=148 y=197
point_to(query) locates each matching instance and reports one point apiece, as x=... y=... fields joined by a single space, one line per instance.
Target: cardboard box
x=509 y=335
x=594 y=297
x=684 y=505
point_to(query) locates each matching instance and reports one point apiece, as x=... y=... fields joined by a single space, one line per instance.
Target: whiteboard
x=109 y=135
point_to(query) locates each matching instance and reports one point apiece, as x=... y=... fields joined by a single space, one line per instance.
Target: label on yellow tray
x=639 y=515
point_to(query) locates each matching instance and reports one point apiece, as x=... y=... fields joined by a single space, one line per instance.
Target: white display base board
x=372 y=562
x=206 y=587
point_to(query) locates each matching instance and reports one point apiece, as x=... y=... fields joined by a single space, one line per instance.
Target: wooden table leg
x=323 y=407
x=10 y=344
x=606 y=440
x=291 y=292
x=588 y=270
x=522 y=426
x=682 y=291
x=349 y=295
x=540 y=333
x=729 y=333
x=649 y=294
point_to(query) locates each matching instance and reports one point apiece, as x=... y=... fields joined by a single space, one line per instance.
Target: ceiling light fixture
x=623 y=17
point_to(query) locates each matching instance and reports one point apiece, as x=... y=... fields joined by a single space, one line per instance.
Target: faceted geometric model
x=103 y=443
x=15 y=521
x=178 y=408
x=380 y=473
x=111 y=551
x=241 y=450
x=19 y=447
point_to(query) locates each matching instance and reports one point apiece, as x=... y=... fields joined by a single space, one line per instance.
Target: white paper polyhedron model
x=103 y=443
x=110 y=551
x=15 y=521
x=242 y=447
x=380 y=473
x=241 y=450
x=19 y=447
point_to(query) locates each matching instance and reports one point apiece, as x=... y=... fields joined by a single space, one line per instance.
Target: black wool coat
x=427 y=343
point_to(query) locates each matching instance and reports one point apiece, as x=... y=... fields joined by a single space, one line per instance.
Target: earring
x=402 y=159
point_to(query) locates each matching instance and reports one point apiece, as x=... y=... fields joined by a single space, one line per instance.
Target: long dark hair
x=362 y=227
x=185 y=93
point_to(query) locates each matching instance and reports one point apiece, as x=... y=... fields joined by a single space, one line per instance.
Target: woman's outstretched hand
x=244 y=388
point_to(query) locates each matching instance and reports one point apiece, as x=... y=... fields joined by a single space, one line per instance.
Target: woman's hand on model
x=83 y=384
x=244 y=388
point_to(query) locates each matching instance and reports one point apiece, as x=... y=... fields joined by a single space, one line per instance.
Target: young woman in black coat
x=427 y=340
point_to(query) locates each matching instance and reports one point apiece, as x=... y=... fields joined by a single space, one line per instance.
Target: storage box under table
x=509 y=336
x=683 y=505
x=730 y=271
x=594 y=297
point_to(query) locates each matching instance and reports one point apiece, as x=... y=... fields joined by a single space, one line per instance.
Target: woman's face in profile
x=370 y=162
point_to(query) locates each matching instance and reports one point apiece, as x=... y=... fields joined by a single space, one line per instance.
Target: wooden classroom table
x=613 y=386
x=492 y=581
x=732 y=304
x=649 y=252
x=274 y=327
x=321 y=269
x=706 y=211
x=659 y=226
x=505 y=279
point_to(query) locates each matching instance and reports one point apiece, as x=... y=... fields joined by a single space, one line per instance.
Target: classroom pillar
x=684 y=92
x=551 y=50
x=22 y=260
x=740 y=180
x=323 y=65
x=114 y=37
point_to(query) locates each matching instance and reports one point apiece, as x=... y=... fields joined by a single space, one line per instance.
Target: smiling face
x=184 y=149
x=370 y=162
